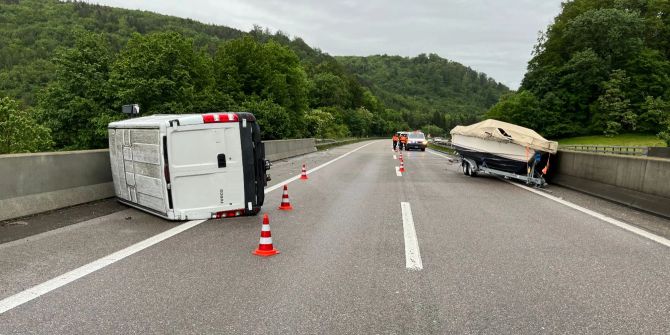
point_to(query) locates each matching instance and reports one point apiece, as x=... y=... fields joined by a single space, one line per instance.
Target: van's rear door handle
x=221 y=159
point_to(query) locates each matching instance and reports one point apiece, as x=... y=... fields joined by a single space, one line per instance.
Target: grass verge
x=643 y=140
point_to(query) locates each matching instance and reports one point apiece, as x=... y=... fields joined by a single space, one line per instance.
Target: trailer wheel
x=468 y=169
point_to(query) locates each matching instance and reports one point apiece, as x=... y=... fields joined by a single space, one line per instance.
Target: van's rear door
x=205 y=167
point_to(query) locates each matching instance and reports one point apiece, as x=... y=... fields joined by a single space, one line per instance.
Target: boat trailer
x=470 y=168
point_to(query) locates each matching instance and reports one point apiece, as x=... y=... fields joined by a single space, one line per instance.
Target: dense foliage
x=428 y=89
x=72 y=65
x=602 y=67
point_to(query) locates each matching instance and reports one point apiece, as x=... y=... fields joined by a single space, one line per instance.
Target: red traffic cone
x=402 y=166
x=400 y=158
x=285 y=203
x=265 y=247
x=303 y=174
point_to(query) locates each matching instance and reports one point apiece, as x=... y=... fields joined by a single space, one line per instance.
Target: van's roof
x=154 y=121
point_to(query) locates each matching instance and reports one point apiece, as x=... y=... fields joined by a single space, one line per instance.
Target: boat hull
x=497 y=155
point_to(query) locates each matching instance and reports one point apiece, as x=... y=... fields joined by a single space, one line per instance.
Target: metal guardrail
x=608 y=149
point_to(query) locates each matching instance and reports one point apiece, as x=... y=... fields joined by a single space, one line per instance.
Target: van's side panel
x=136 y=166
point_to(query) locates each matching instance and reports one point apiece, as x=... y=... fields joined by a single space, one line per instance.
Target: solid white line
x=439 y=154
x=605 y=218
x=620 y=224
x=412 y=253
x=397 y=171
x=272 y=188
x=64 y=279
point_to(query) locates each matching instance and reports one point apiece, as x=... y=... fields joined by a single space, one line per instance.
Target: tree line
x=66 y=68
x=602 y=67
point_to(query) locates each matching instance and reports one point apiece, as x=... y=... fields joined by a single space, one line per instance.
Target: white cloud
x=492 y=36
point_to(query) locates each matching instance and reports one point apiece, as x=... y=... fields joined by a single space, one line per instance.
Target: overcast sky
x=491 y=36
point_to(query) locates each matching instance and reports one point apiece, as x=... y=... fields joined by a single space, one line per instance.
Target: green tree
x=77 y=103
x=328 y=89
x=246 y=69
x=613 y=112
x=320 y=124
x=163 y=73
x=19 y=131
x=433 y=130
x=273 y=119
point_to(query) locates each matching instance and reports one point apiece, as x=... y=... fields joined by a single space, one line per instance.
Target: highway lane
x=496 y=259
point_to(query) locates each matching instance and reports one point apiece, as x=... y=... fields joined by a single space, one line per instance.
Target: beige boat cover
x=507 y=132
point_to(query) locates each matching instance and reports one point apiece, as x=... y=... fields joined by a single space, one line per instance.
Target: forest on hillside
x=66 y=68
x=427 y=88
x=602 y=67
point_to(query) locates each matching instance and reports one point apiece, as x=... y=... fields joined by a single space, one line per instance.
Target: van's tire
x=423 y=149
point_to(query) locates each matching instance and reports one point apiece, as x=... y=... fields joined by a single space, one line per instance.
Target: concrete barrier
x=281 y=149
x=640 y=182
x=35 y=183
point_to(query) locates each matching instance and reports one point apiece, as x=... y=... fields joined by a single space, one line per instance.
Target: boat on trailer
x=503 y=149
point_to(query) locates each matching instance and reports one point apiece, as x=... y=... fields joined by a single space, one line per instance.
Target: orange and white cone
x=285 y=202
x=265 y=247
x=400 y=158
x=303 y=174
x=402 y=166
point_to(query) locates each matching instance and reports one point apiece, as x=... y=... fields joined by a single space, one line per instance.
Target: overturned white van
x=189 y=166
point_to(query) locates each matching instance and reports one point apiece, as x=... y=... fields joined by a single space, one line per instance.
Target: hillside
x=426 y=85
x=73 y=64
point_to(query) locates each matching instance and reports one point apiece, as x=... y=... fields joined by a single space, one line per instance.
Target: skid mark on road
x=412 y=253
x=64 y=279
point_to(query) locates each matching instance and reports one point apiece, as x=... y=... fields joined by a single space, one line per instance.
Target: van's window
x=416 y=136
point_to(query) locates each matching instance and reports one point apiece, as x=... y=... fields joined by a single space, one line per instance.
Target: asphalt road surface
x=365 y=251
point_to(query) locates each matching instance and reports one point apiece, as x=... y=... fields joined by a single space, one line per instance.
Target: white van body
x=189 y=166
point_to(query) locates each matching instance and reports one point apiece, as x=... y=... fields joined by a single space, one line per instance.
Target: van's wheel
x=423 y=149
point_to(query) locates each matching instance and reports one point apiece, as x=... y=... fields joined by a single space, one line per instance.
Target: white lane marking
x=66 y=278
x=605 y=218
x=272 y=188
x=620 y=224
x=397 y=171
x=412 y=253
x=394 y=157
x=438 y=154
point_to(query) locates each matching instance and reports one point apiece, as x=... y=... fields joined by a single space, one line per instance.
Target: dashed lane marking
x=412 y=253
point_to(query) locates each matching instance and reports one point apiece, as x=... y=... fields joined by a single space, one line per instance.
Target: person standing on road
x=403 y=141
x=395 y=141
